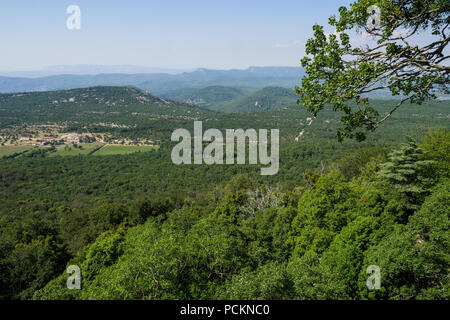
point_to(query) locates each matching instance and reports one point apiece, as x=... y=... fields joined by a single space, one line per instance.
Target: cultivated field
x=10 y=150
x=114 y=149
x=84 y=149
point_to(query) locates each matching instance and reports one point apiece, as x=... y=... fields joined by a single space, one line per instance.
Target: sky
x=178 y=34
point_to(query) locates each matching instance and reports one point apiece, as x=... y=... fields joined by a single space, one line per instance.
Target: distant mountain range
x=89 y=69
x=160 y=83
x=224 y=90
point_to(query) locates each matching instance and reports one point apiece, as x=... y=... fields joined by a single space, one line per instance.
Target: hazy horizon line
x=98 y=69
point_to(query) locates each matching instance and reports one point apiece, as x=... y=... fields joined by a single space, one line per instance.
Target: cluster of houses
x=66 y=138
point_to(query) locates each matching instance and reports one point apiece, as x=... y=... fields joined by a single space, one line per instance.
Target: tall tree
x=405 y=171
x=341 y=73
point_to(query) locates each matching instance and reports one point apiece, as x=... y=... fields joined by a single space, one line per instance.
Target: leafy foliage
x=312 y=244
x=405 y=171
x=339 y=72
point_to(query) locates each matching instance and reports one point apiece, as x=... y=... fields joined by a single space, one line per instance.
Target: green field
x=70 y=150
x=112 y=150
x=84 y=149
x=10 y=150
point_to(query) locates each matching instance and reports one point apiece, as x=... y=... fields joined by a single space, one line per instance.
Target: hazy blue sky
x=159 y=33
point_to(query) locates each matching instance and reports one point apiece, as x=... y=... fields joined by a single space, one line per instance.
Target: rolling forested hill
x=206 y=97
x=96 y=109
x=108 y=99
x=269 y=98
x=230 y=99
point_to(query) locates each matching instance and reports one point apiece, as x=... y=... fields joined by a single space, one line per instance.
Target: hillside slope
x=207 y=97
x=269 y=98
x=121 y=112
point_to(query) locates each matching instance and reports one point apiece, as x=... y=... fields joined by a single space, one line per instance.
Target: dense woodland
x=141 y=227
